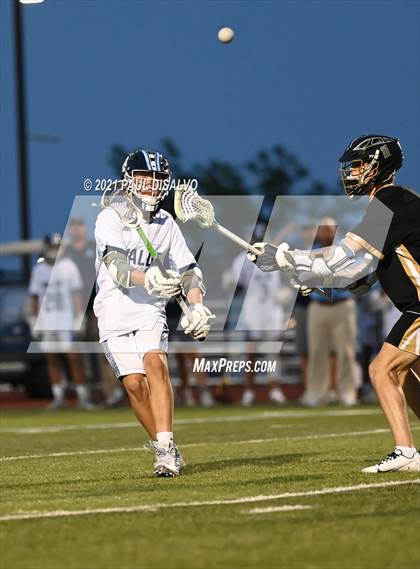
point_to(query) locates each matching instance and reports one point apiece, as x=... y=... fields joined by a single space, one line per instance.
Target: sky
x=309 y=75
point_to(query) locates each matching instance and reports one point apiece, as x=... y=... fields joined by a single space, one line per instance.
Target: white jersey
x=55 y=285
x=261 y=309
x=119 y=310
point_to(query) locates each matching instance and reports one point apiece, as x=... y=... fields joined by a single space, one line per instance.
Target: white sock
x=82 y=393
x=409 y=452
x=58 y=391
x=164 y=439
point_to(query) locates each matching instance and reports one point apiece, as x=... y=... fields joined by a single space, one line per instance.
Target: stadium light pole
x=22 y=155
x=22 y=165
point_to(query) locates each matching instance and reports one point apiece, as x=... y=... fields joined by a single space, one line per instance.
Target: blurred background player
x=300 y=310
x=133 y=291
x=82 y=251
x=261 y=315
x=56 y=309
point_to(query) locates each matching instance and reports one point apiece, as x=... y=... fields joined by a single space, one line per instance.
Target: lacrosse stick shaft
x=180 y=299
x=241 y=242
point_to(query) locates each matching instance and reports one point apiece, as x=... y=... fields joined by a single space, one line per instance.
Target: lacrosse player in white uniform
x=132 y=292
x=266 y=292
x=54 y=289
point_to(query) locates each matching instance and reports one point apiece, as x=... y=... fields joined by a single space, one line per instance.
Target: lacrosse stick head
x=189 y=205
x=116 y=198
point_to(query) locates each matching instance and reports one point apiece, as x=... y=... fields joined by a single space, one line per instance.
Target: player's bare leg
x=57 y=386
x=411 y=387
x=205 y=396
x=161 y=394
x=76 y=369
x=386 y=372
x=248 y=395
x=389 y=372
x=168 y=458
x=78 y=377
x=138 y=392
x=187 y=395
x=54 y=368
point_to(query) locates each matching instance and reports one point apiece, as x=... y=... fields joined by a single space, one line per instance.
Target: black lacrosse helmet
x=147 y=162
x=51 y=247
x=375 y=158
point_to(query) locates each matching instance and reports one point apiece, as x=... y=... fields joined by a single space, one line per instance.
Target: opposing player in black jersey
x=385 y=246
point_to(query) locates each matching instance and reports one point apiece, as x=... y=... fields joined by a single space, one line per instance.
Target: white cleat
x=206 y=399
x=116 y=397
x=179 y=461
x=276 y=396
x=86 y=406
x=57 y=405
x=169 y=462
x=396 y=461
x=248 y=398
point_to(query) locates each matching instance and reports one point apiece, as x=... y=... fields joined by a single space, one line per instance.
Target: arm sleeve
x=108 y=232
x=180 y=257
x=382 y=229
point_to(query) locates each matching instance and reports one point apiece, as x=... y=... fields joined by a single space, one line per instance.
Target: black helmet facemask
x=368 y=162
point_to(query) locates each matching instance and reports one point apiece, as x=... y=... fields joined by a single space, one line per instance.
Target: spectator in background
x=370 y=335
x=56 y=309
x=184 y=363
x=331 y=329
x=82 y=251
x=300 y=310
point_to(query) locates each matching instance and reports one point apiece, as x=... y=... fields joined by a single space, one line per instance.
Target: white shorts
x=60 y=341
x=125 y=353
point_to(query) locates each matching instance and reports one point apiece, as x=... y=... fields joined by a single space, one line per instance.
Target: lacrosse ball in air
x=226 y=35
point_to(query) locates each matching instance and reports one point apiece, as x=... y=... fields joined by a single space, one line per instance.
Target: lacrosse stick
x=189 y=205
x=131 y=217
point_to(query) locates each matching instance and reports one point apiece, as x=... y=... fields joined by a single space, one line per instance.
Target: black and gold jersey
x=390 y=230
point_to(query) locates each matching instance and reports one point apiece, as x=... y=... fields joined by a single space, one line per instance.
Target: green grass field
x=233 y=507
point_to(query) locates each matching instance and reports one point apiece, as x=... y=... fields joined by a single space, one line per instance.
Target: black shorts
x=405 y=334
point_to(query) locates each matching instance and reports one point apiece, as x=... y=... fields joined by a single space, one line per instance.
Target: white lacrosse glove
x=199 y=327
x=251 y=256
x=163 y=287
x=302 y=289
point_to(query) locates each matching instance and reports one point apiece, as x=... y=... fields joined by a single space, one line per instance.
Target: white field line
x=245 y=500
x=348 y=434
x=196 y=420
x=277 y=509
x=191 y=445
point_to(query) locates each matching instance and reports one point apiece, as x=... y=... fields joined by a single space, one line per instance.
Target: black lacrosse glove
x=266 y=261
